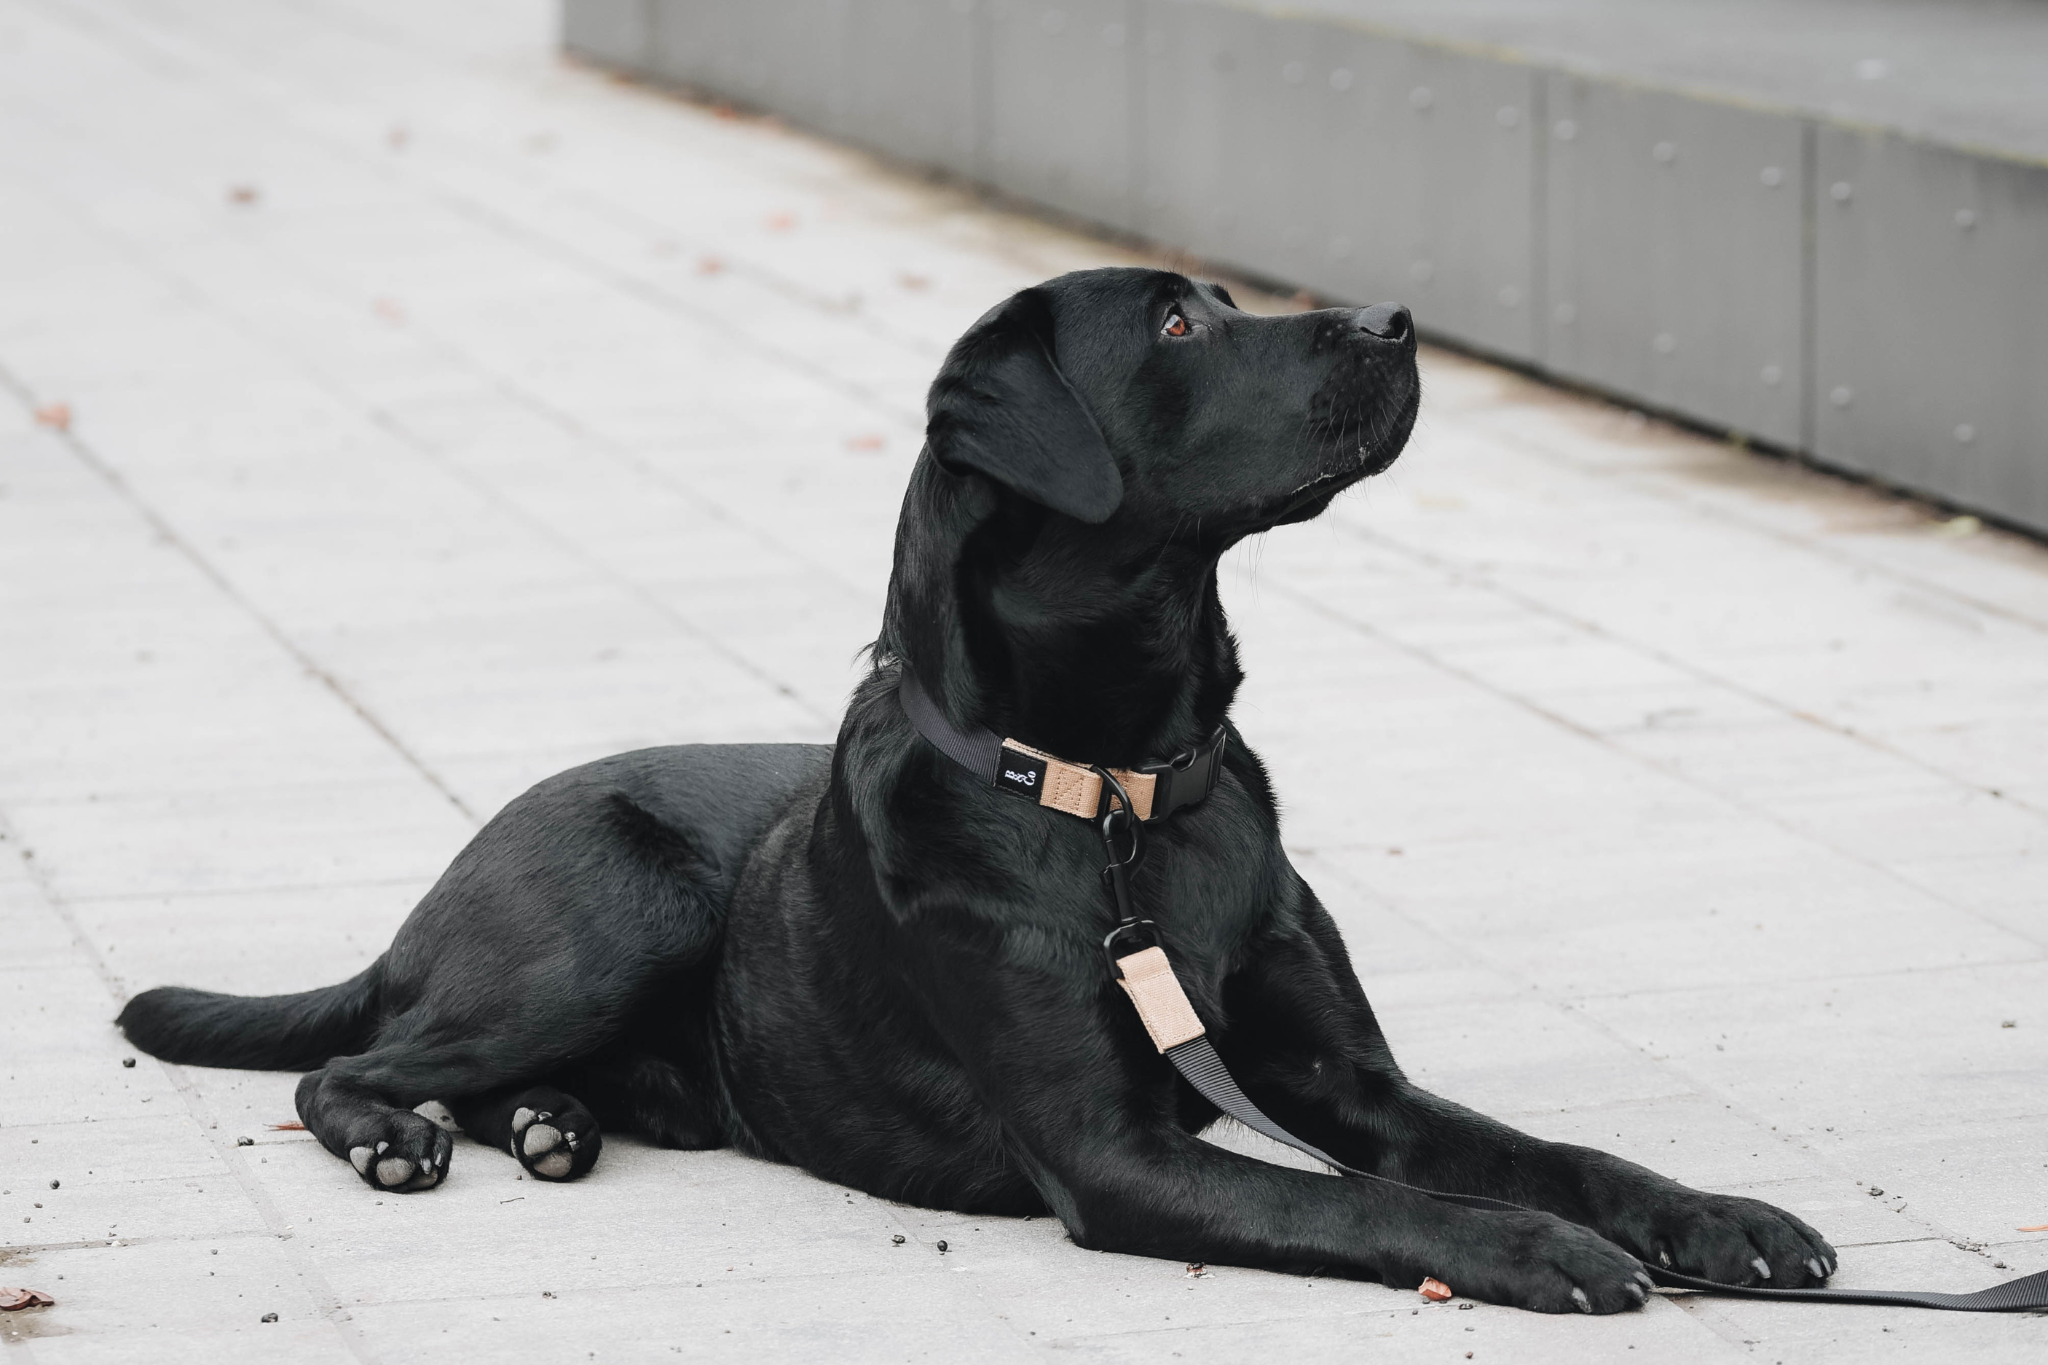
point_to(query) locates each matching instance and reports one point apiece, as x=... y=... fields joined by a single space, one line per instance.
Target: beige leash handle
x=1147 y=977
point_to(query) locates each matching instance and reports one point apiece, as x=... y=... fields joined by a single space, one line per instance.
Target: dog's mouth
x=1371 y=457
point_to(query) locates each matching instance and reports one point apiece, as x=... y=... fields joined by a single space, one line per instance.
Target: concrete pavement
x=420 y=415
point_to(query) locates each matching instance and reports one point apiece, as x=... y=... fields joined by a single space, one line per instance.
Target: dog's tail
x=254 y=1032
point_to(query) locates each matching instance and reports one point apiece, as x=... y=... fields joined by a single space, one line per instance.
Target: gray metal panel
x=698 y=43
x=909 y=81
x=614 y=32
x=1932 y=297
x=1445 y=155
x=1675 y=253
x=1059 y=104
x=1362 y=167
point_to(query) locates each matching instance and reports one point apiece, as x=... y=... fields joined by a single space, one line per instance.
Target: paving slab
x=444 y=414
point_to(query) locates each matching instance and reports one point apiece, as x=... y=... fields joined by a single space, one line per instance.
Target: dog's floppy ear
x=1001 y=407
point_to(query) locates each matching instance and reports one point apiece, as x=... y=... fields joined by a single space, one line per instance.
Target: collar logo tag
x=1020 y=773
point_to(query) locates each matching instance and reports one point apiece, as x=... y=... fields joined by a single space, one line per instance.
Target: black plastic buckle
x=1111 y=950
x=1186 y=778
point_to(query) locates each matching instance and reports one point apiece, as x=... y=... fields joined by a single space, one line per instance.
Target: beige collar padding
x=1149 y=980
x=1077 y=790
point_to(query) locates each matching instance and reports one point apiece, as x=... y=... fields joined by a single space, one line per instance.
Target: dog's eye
x=1176 y=325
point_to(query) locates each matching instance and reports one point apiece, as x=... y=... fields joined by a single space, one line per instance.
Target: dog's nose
x=1387 y=321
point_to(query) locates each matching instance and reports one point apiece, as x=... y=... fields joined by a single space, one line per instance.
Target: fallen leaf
x=293 y=1127
x=1436 y=1291
x=11 y=1299
x=2038 y=1227
x=56 y=415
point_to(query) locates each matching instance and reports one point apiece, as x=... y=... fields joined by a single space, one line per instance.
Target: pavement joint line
x=147 y=1239
x=1932 y=969
x=229 y=1154
x=1422 y=653
x=1657 y=484
x=226 y=892
x=162 y=525
x=1479 y=577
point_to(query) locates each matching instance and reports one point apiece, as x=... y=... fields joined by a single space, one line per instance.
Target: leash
x=1119 y=801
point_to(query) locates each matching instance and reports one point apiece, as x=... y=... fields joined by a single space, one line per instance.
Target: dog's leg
x=1305 y=1046
x=1092 y=1115
x=549 y=1132
x=390 y=1147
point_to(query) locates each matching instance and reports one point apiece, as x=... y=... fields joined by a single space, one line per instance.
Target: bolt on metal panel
x=1059 y=101
x=909 y=81
x=1675 y=253
x=1931 y=291
x=615 y=32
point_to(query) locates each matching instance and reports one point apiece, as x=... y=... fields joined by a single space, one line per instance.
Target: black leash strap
x=1196 y=1060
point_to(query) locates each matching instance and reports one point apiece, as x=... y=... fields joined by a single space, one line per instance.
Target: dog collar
x=1156 y=790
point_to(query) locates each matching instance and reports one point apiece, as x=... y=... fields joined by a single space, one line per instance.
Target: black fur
x=860 y=960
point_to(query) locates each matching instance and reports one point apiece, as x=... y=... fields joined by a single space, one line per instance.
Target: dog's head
x=1148 y=400
x=1095 y=443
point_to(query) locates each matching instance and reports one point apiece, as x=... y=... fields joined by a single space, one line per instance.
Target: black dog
x=862 y=960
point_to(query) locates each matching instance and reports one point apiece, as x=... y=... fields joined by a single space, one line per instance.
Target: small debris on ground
x=709 y=265
x=897 y=1239
x=2038 y=1227
x=58 y=417
x=245 y=1142
x=243 y=194
x=128 y=1061
x=1959 y=526
x=13 y=1299
x=55 y=1183
x=1463 y=1306
x=268 y=1317
x=910 y=281
x=1436 y=1291
x=942 y=1244
x=2008 y=1023
x=1875 y=1191
x=865 y=441
x=294 y=1126
x=1198 y=1270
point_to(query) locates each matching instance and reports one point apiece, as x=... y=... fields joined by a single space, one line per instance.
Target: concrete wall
x=1872 y=300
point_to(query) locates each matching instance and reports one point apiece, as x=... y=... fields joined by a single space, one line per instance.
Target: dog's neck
x=1068 y=638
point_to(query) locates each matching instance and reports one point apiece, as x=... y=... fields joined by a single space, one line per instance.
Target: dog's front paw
x=1541 y=1262
x=401 y=1152
x=1732 y=1240
x=556 y=1142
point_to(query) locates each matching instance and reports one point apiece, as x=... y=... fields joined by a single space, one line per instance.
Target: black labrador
x=864 y=961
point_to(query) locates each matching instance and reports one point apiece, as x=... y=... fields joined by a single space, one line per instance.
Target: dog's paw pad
x=415 y=1157
x=545 y=1144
